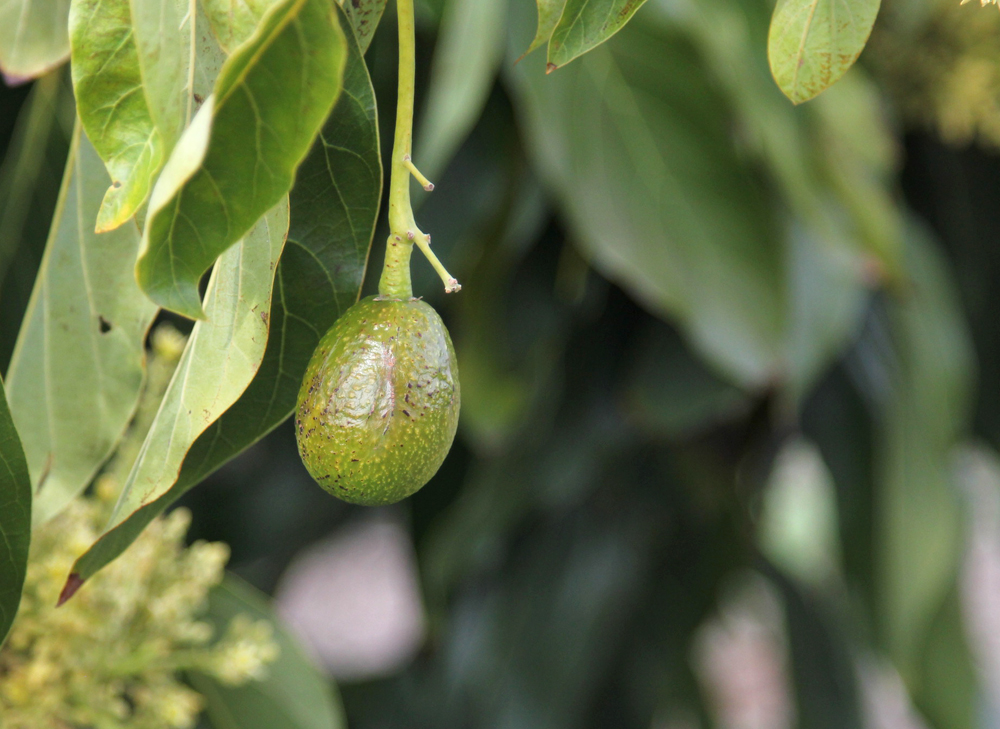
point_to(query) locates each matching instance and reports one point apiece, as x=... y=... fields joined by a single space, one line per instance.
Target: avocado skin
x=378 y=407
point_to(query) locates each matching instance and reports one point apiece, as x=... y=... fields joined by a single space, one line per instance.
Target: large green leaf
x=919 y=523
x=15 y=518
x=466 y=60
x=334 y=205
x=585 y=24
x=33 y=36
x=813 y=42
x=638 y=149
x=364 y=16
x=78 y=364
x=220 y=360
x=239 y=156
x=112 y=104
x=294 y=695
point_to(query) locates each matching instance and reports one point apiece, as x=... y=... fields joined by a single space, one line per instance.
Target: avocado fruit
x=378 y=407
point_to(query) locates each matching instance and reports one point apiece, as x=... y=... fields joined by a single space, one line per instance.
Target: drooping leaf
x=234 y=21
x=812 y=43
x=585 y=24
x=466 y=60
x=220 y=360
x=548 y=15
x=238 y=157
x=15 y=518
x=294 y=694
x=33 y=37
x=112 y=105
x=637 y=149
x=78 y=364
x=919 y=523
x=334 y=205
x=364 y=16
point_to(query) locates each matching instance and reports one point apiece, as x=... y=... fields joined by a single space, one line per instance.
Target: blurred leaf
x=466 y=59
x=798 y=528
x=540 y=472
x=670 y=394
x=234 y=22
x=510 y=348
x=533 y=647
x=548 y=15
x=844 y=230
x=225 y=173
x=812 y=43
x=33 y=37
x=585 y=24
x=825 y=682
x=364 y=16
x=23 y=167
x=926 y=408
x=294 y=695
x=112 y=105
x=318 y=278
x=78 y=365
x=827 y=306
x=15 y=518
x=948 y=693
x=637 y=147
x=222 y=355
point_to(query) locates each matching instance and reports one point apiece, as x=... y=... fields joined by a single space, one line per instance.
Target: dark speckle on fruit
x=362 y=369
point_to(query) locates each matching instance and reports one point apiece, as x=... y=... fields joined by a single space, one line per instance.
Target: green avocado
x=378 y=406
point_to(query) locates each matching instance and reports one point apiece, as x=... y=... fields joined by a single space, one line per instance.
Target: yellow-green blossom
x=111 y=657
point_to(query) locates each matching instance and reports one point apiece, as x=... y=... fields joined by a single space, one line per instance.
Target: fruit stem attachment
x=395 y=280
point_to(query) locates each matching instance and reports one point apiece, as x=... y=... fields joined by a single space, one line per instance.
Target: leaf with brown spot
x=812 y=43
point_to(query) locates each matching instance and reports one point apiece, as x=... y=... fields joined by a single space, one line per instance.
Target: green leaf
x=112 y=105
x=165 y=55
x=238 y=157
x=584 y=25
x=220 y=360
x=33 y=37
x=466 y=59
x=812 y=43
x=334 y=205
x=927 y=409
x=638 y=150
x=670 y=394
x=948 y=694
x=364 y=16
x=77 y=368
x=15 y=518
x=28 y=159
x=294 y=695
x=234 y=21
x=548 y=15
x=823 y=660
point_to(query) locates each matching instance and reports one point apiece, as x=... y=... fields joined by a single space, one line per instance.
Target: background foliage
x=721 y=356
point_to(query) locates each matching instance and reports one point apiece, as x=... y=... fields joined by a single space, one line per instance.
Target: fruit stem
x=395 y=280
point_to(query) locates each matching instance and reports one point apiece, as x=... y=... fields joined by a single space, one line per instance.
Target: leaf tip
x=73 y=583
x=550 y=67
